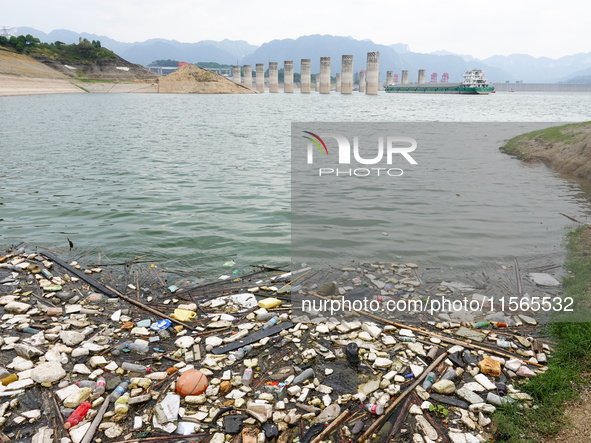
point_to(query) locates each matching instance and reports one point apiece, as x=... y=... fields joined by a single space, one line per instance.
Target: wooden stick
x=380 y=421
x=96 y=422
x=337 y=422
x=107 y=290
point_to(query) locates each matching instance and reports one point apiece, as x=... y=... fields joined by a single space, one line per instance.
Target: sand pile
x=195 y=80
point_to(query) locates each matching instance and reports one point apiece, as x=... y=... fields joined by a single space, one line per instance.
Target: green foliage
x=84 y=51
x=438 y=410
x=569 y=367
x=167 y=62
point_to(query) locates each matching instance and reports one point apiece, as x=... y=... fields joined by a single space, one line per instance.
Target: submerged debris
x=90 y=353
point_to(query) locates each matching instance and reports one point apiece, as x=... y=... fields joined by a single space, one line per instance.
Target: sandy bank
x=18 y=85
x=566 y=149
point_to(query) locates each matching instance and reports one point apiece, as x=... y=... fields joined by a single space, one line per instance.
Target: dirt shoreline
x=566 y=149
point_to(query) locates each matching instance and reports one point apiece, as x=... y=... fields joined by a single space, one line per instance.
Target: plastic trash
x=191 y=382
x=132 y=367
x=140 y=348
x=270 y=323
x=183 y=314
x=247 y=377
x=242 y=352
x=9 y=379
x=99 y=389
x=269 y=303
x=501 y=389
x=86 y=384
x=375 y=408
x=481 y=324
x=429 y=380
x=352 y=353
x=119 y=390
x=78 y=415
x=303 y=376
x=166 y=413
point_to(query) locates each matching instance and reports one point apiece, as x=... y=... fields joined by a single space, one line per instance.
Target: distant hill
x=542 y=69
x=395 y=57
x=316 y=46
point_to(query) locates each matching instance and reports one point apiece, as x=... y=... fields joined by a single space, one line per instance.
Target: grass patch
x=570 y=362
x=566 y=134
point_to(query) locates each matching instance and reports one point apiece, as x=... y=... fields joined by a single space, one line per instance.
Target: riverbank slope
x=566 y=149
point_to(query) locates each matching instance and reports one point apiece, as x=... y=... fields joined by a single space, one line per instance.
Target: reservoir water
x=193 y=181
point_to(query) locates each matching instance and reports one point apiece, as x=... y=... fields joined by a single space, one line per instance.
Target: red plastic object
x=78 y=414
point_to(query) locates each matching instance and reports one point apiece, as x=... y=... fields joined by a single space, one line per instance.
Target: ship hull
x=439 y=89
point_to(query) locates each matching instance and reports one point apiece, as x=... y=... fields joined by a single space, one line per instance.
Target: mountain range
x=395 y=57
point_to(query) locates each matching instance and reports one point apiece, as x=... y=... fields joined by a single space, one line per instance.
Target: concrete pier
x=305 y=71
x=236 y=77
x=362 y=81
x=389 y=77
x=273 y=77
x=338 y=88
x=325 y=75
x=347 y=74
x=373 y=73
x=247 y=69
x=260 y=77
x=421 y=77
x=288 y=76
x=404 y=80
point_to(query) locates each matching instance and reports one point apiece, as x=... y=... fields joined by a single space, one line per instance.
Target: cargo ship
x=474 y=83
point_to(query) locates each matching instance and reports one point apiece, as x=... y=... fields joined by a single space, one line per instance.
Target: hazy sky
x=480 y=28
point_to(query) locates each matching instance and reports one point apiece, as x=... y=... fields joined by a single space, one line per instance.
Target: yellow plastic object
x=183 y=314
x=269 y=303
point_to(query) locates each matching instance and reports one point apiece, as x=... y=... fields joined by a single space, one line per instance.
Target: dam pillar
x=236 y=77
x=389 y=77
x=273 y=77
x=421 y=76
x=362 y=81
x=325 y=75
x=338 y=82
x=305 y=70
x=347 y=74
x=288 y=76
x=404 y=79
x=260 y=77
x=373 y=73
x=247 y=75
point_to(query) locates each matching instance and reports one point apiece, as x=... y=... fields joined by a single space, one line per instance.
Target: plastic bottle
x=429 y=380
x=501 y=389
x=303 y=376
x=270 y=323
x=86 y=384
x=9 y=379
x=352 y=353
x=140 y=348
x=242 y=352
x=503 y=343
x=119 y=390
x=99 y=389
x=375 y=408
x=132 y=367
x=481 y=324
x=449 y=375
x=78 y=414
x=407 y=339
x=247 y=377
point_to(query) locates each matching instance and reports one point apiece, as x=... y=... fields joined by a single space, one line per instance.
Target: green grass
x=517 y=146
x=569 y=365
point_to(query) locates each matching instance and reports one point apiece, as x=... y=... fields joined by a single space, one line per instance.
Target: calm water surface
x=197 y=180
